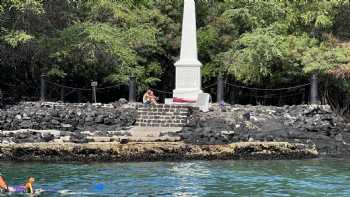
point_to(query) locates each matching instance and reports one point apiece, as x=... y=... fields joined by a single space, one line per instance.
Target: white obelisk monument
x=188 y=68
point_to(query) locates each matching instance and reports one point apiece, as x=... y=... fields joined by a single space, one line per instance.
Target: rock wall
x=314 y=125
x=67 y=117
x=162 y=115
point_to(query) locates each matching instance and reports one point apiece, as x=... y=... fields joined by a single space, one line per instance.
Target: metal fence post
x=132 y=89
x=314 y=99
x=43 y=88
x=1 y=98
x=62 y=94
x=94 y=85
x=79 y=96
x=220 y=89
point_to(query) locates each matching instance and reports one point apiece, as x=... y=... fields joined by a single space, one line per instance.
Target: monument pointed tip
x=189 y=33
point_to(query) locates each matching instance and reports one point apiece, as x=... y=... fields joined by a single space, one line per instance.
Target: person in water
x=3 y=184
x=29 y=185
x=27 y=188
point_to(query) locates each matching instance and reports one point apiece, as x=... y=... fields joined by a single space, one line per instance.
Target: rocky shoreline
x=165 y=151
x=312 y=125
x=315 y=127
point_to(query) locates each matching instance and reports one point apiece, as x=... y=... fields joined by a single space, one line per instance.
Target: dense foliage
x=266 y=44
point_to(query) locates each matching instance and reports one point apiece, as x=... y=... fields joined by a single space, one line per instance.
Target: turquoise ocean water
x=319 y=177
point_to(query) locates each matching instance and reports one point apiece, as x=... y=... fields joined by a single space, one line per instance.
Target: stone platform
x=154 y=134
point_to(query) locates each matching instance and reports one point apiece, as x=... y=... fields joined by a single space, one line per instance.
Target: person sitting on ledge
x=149 y=98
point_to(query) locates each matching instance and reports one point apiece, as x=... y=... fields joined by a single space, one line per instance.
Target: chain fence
x=231 y=93
x=237 y=94
x=65 y=93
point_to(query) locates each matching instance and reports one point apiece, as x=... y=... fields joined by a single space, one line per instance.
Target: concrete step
x=141 y=124
x=163 y=110
x=159 y=121
x=154 y=134
x=159 y=117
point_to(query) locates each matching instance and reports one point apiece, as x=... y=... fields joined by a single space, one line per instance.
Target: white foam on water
x=70 y=192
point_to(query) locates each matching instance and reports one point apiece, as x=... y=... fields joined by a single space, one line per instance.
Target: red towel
x=183 y=100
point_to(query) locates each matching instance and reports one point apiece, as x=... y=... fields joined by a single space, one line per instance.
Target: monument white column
x=188 y=68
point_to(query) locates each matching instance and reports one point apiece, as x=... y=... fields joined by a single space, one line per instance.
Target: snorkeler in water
x=26 y=188
x=29 y=185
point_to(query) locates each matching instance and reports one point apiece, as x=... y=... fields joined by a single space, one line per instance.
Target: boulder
x=26 y=124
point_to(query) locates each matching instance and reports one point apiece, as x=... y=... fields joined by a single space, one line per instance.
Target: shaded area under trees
x=262 y=44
